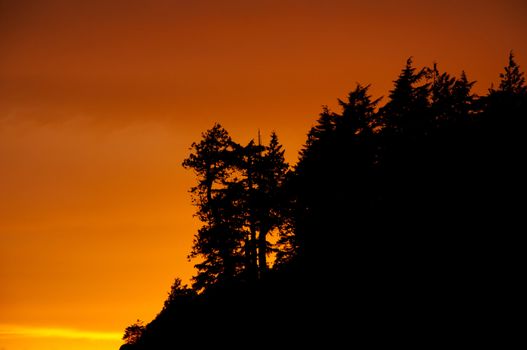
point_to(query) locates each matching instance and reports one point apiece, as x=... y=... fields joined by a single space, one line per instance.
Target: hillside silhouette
x=400 y=223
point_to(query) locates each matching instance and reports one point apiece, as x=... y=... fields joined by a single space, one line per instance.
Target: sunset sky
x=100 y=101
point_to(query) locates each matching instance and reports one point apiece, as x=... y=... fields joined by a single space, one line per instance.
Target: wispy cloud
x=9 y=331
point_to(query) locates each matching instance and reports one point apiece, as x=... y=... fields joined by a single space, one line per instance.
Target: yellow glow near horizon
x=19 y=337
x=9 y=331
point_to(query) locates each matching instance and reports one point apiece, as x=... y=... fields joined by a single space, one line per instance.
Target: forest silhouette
x=399 y=224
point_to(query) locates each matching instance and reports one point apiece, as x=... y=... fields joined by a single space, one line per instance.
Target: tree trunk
x=262 y=251
x=253 y=264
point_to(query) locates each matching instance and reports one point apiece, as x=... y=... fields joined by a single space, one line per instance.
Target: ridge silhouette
x=399 y=224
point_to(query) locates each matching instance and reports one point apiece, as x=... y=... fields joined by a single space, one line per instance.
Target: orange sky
x=100 y=100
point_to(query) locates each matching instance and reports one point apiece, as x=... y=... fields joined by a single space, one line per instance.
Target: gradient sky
x=100 y=101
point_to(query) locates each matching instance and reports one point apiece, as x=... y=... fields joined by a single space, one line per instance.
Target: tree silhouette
x=178 y=293
x=269 y=210
x=248 y=161
x=504 y=122
x=451 y=98
x=238 y=199
x=442 y=99
x=332 y=178
x=309 y=173
x=464 y=101
x=509 y=98
x=219 y=241
x=406 y=110
x=512 y=80
x=133 y=333
x=358 y=113
x=318 y=136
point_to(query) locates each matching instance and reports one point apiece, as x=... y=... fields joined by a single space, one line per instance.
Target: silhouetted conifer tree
x=271 y=206
x=262 y=171
x=407 y=109
x=248 y=158
x=451 y=98
x=463 y=99
x=219 y=241
x=512 y=90
x=512 y=80
x=238 y=199
x=309 y=173
x=319 y=136
x=334 y=175
x=358 y=113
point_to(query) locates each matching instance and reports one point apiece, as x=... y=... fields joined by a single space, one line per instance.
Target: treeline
x=396 y=220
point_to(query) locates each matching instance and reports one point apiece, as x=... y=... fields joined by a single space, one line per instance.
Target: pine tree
x=273 y=169
x=262 y=170
x=218 y=242
x=512 y=80
x=464 y=99
x=238 y=199
x=318 y=137
x=248 y=160
x=509 y=101
x=406 y=110
x=451 y=98
x=358 y=112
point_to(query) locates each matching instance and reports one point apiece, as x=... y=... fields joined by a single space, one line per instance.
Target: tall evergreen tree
x=463 y=98
x=512 y=80
x=451 y=98
x=358 y=112
x=334 y=174
x=441 y=92
x=406 y=110
x=262 y=170
x=318 y=138
x=356 y=147
x=238 y=199
x=218 y=241
x=310 y=173
x=272 y=172
x=248 y=159
x=510 y=99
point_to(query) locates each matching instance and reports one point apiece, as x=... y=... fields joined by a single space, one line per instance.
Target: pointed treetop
x=512 y=80
x=274 y=140
x=464 y=82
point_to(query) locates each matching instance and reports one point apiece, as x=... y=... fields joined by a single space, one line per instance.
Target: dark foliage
x=398 y=225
